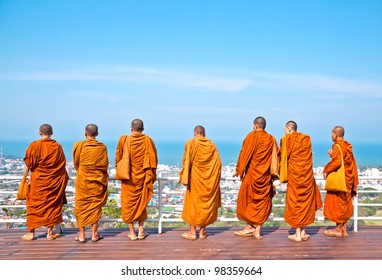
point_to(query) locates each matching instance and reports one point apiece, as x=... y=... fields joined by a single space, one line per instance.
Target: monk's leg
x=191 y=235
x=298 y=234
x=202 y=233
x=141 y=230
x=247 y=231
x=335 y=232
x=81 y=233
x=50 y=231
x=28 y=236
x=257 y=233
x=249 y=228
x=304 y=235
x=95 y=234
x=193 y=230
x=338 y=228
x=131 y=234
x=344 y=230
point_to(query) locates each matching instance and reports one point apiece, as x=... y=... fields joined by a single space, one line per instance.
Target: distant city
x=11 y=170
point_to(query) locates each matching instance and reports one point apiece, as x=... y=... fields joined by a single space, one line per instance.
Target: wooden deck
x=221 y=244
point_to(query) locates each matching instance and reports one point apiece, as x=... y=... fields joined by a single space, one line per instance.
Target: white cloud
x=317 y=83
x=149 y=76
x=227 y=111
x=323 y=86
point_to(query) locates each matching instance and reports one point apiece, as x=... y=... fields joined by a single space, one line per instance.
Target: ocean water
x=170 y=152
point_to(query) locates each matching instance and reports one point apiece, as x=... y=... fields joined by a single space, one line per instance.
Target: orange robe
x=254 y=202
x=303 y=195
x=138 y=190
x=338 y=206
x=91 y=162
x=46 y=159
x=201 y=174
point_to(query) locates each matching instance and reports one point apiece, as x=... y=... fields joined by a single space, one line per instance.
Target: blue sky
x=177 y=64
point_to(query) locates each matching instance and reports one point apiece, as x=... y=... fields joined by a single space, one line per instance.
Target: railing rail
x=160 y=205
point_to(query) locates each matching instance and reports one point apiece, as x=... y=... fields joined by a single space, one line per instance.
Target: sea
x=367 y=154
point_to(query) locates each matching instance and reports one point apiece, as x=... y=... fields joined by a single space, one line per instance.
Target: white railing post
x=160 y=205
x=355 y=203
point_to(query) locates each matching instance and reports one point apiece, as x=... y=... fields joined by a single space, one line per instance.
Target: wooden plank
x=221 y=244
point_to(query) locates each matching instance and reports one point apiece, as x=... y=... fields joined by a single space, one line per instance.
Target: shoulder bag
x=335 y=181
x=123 y=166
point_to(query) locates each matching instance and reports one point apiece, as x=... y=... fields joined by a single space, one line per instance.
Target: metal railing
x=160 y=205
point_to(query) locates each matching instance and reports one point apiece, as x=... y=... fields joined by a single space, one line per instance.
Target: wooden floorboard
x=221 y=244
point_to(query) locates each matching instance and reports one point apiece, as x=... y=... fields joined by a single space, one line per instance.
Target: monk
x=254 y=203
x=201 y=172
x=46 y=160
x=338 y=206
x=138 y=189
x=302 y=195
x=91 y=163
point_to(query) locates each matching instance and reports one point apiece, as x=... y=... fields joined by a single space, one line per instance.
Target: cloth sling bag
x=335 y=181
x=123 y=166
x=24 y=185
x=284 y=161
x=275 y=166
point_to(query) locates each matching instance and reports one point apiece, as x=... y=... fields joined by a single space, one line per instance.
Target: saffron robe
x=338 y=206
x=91 y=163
x=46 y=160
x=254 y=202
x=138 y=190
x=201 y=173
x=302 y=195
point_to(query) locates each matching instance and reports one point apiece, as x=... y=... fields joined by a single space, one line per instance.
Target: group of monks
x=260 y=163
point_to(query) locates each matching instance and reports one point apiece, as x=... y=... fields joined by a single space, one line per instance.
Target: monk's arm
x=30 y=158
x=335 y=162
x=119 y=151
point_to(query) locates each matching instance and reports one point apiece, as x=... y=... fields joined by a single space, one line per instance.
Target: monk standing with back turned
x=302 y=194
x=254 y=202
x=91 y=162
x=46 y=160
x=138 y=189
x=201 y=171
x=338 y=206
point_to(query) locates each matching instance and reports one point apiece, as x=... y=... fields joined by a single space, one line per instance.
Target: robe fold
x=338 y=206
x=254 y=202
x=201 y=173
x=303 y=195
x=138 y=190
x=46 y=160
x=91 y=162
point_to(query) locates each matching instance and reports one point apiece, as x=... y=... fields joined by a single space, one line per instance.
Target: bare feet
x=28 y=237
x=189 y=236
x=333 y=233
x=294 y=237
x=257 y=233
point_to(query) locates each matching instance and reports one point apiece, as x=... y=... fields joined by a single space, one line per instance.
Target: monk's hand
x=235 y=174
x=325 y=175
x=330 y=153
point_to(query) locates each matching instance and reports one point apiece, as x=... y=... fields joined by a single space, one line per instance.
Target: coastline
x=367 y=154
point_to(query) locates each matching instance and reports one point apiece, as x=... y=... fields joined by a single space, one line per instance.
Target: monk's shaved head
x=46 y=129
x=261 y=122
x=339 y=130
x=199 y=130
x=137 y=125
x=292 y=125
x=91 y=130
